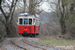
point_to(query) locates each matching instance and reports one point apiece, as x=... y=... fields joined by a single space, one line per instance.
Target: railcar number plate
x=25 y=29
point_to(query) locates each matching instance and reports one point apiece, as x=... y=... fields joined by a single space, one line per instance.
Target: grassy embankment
x=56 y=42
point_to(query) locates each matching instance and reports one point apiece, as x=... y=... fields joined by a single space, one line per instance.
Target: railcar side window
x=20 y=21
x=37 y=22
x=30 y=21
x=34 y=21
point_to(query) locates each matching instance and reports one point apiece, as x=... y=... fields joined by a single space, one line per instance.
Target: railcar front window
x=25 y=21
x=30 y=21
x=20 y=21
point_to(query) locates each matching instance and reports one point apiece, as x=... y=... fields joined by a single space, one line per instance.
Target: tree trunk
x=31 y=7
x=62 y=20
x=63 y=25
x=7 y=27
x=10 y=29
x=62 y=16
x=24 y=5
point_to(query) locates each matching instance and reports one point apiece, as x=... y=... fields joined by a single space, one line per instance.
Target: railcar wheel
x=27 y=35
x=23 y=35
x=31 y=35
x=35 y=35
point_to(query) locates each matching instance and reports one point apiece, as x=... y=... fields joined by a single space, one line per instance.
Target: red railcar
x=28 y=25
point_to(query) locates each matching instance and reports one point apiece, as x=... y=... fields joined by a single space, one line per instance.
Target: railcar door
x=30 y=25
x=20 y=25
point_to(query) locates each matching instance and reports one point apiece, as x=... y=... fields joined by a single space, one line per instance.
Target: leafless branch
x=38 y=2
x=13 y=10
x=2 y=11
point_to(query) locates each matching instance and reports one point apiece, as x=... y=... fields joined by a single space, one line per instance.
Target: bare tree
x=8 y=16
x=71 y=20
x=62 y=11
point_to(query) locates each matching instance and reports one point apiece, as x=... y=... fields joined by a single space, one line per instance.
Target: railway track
x=25 y=44
x=34 y=45
x=13 y=42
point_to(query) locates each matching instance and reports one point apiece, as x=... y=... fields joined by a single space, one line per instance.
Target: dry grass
x=55 y=41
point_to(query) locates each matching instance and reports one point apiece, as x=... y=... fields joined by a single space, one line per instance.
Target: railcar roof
x=24 y=14
x=27 y=15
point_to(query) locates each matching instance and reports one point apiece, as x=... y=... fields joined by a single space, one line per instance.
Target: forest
x=60 y=21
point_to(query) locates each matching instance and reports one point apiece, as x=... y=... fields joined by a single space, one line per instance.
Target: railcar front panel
x=26 y=28
x=30 y=29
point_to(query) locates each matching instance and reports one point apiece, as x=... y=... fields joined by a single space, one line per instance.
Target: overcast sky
x=46 y=6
